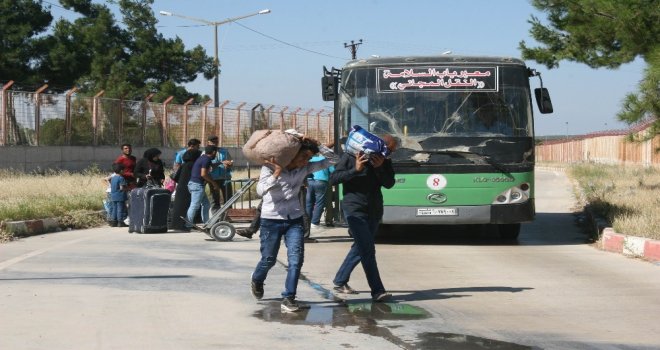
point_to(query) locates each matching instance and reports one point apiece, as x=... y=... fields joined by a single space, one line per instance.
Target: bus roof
x=434 y=60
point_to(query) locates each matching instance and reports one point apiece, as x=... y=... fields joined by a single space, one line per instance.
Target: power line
x=56 y=5
x=288 y=44
x=246 y=27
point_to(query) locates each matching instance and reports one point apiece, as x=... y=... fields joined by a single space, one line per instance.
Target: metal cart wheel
x=222 y=231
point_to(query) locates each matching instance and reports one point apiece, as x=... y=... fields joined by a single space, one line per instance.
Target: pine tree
x=604 y=33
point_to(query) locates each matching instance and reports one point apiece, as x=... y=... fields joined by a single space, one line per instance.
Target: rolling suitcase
x=148 y=210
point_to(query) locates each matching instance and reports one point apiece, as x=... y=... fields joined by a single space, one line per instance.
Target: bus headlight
x=516 y=194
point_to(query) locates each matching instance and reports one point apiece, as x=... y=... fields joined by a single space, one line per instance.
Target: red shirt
x=129 y=166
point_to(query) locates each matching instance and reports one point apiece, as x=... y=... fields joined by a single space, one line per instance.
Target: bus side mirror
x=329 y=87
x=543 y=100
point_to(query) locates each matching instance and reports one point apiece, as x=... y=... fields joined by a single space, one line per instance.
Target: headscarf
x=151 y=153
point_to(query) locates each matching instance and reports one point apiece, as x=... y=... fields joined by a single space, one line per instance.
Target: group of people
x=129 y=173
x=193 y=170
x=362 y=177
x=281 y=215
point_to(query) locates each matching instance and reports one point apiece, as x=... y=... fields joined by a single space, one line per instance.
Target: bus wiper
x=469 y=155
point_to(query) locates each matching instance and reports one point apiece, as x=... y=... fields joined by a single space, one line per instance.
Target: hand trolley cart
x=220 y=225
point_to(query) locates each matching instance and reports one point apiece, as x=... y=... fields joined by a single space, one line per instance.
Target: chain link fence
x=45 y=119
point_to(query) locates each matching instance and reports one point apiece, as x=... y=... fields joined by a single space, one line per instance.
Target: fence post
x=268 y=115
x=252 y=116
x=120 y=121
x=295 y=118
x=144 y=118
x=220 y=124
x=282 y=117
x=165 y=122
x=37 y=113
x=238 y=124
x=184 y=135
x=205 y=118
x=68 y=126
x=307 y=120
x=4 y=118
x=95 y=117
x=318 y=124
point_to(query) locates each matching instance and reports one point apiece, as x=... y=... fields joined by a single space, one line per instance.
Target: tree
x=20 y=23
x=604 y=33
x=126 y=58
x=130 y=61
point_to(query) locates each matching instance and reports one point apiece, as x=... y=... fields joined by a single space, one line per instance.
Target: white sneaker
x=127 y=221
x=314 y=227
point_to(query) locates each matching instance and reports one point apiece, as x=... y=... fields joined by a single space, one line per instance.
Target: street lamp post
x=216 y=62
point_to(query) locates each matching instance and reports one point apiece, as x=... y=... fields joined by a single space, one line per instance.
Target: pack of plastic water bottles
x=361 y=141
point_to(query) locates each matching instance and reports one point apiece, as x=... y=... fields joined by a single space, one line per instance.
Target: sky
x=278 y=58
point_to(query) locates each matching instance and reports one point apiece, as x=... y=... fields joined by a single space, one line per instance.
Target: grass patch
x=73 y=198
x=628 y=197
x=52 y=194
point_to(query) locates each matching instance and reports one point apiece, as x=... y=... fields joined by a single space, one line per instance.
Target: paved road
x=106 y=289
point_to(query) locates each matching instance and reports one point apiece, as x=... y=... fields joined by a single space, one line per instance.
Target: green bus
x=465 y=129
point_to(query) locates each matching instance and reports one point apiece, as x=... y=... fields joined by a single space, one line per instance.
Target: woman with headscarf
x=150 y=167
x=182 y=197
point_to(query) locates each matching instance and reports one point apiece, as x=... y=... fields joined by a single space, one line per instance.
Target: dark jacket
x=182 y=198
x=189 y=159
x=361 y=190
x=149 y=163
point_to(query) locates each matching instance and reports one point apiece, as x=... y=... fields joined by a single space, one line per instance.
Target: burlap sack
x=267 y=144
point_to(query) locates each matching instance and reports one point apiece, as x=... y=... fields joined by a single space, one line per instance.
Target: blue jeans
x=363 y=250
x=315 y=201
x=270 y=235
x=109 y=207
x=119 y=211
x=197 y=198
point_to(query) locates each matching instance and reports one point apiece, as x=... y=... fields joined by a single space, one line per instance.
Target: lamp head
x=165 y=13
x=263 y=12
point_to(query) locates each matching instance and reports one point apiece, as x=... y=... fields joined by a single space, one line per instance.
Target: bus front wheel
x=509 y=231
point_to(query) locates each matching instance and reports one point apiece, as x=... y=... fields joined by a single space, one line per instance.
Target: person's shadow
x=447 y=293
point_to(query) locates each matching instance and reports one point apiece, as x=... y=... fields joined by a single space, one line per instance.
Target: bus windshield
x=416 y=109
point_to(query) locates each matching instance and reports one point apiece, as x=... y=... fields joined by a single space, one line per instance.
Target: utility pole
x=216 y=61
x=353 y=47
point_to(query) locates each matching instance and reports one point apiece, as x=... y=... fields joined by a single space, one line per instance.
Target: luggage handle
x=151 y=183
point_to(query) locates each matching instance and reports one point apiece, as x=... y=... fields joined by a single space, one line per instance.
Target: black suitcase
x=148 y=210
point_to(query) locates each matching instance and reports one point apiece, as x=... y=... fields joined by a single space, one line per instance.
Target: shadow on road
x=447 y=293
x=546 y=229
x=95 y=277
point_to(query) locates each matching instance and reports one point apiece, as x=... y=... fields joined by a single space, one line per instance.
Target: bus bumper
x=473 y=214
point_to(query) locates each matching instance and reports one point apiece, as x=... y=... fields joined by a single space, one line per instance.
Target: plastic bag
x=170 y=185
x=360 y=140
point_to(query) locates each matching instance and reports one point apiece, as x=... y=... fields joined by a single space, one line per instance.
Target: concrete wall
x=77 y=158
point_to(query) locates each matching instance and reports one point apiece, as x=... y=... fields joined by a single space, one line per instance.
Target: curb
x=639 y=247
x=29 y=228
x=612 y=241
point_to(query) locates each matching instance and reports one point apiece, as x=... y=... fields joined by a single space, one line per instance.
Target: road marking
x=20 y=258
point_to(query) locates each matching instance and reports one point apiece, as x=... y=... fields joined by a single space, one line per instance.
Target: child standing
x=118 y=196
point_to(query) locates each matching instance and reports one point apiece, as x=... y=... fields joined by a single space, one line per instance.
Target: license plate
x=437 y=211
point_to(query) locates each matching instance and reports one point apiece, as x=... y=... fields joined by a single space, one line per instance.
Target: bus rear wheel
x=509 y=231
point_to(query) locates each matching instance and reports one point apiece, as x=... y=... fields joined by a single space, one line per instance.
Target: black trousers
x=226 y=191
